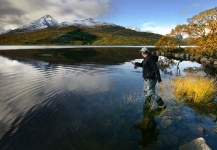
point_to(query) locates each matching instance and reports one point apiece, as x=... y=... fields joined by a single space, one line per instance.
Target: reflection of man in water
x=148 y=127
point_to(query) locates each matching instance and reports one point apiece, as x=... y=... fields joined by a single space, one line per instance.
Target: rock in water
x=197 y=144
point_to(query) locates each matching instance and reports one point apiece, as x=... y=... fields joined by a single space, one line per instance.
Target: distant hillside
x=46 y=31
x=71 y=35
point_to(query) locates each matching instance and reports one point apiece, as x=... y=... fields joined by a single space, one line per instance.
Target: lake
x=79 y=106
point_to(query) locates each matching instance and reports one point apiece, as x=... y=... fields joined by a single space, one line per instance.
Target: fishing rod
x=135 y=66
x=123 y=56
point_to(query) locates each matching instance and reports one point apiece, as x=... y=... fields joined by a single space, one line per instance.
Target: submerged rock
x=181 y=133
x=213 y=117
x=165 y=123
x=197 y=144
x=192 y=57
x=215 y=64
x=195 y=129
x=177 y=55
x=174 y=139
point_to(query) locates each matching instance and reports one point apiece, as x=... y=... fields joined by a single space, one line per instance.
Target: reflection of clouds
x=76 y=78
x=17 y=95
x=70 y=77
x=186 y=64
x=24 y=87
x=12 y=66
x=5 y=63
x=171 y=65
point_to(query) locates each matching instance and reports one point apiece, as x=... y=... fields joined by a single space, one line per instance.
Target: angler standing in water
x=151 y=75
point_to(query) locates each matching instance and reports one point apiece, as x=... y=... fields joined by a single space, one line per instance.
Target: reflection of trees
x=166 y=64
x=208 y=109
x=148 y=127
x=177 y=68
x=42 y=65
x=210 y=72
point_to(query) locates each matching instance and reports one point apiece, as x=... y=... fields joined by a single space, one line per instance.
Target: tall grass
x=195 y=88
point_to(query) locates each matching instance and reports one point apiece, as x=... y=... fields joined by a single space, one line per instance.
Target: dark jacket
x=150 y=69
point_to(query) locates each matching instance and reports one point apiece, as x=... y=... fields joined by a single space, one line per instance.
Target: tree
x=178 y=33
x=202 y=30
x=166 y=43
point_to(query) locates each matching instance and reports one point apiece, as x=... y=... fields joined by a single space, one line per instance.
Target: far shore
x=19 y=47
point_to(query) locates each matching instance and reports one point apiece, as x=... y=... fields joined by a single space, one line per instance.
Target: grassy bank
x=195 y=88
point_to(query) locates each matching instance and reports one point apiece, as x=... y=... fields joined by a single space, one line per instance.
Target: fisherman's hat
x=145 y=50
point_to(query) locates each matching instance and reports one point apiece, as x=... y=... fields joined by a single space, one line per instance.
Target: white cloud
x=157 y=28
x=136 y=29
x=15 y=13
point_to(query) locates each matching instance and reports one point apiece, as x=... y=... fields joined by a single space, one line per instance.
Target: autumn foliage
x=200 y=31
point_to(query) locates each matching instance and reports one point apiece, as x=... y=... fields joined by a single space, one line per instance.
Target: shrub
x=195 y=88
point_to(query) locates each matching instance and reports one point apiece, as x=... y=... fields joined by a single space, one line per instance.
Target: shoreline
x=19 y=47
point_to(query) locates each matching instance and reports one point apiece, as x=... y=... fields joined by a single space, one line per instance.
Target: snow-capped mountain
x=48 y=21
x=86 y=23
x=43 y=22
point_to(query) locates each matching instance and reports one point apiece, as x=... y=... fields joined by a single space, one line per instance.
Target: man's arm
x=137 y=64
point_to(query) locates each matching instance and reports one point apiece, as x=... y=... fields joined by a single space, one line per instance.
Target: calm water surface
x=47 y=106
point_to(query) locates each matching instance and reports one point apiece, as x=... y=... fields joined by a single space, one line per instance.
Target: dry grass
x=195 y=88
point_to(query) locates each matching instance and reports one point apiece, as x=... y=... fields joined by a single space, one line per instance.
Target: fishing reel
x=136 y=66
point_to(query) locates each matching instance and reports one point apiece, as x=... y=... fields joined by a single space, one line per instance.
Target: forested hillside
x=71 y=35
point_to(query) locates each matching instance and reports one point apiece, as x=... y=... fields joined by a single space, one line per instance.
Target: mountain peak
x=45 y=21
x=89 y=22
x=41 y=23
x=47 y=16
x=48 y=21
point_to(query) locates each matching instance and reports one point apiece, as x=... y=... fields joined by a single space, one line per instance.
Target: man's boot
x=161 y=104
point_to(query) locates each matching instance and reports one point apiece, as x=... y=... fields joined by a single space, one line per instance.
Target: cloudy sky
x=157 y=16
